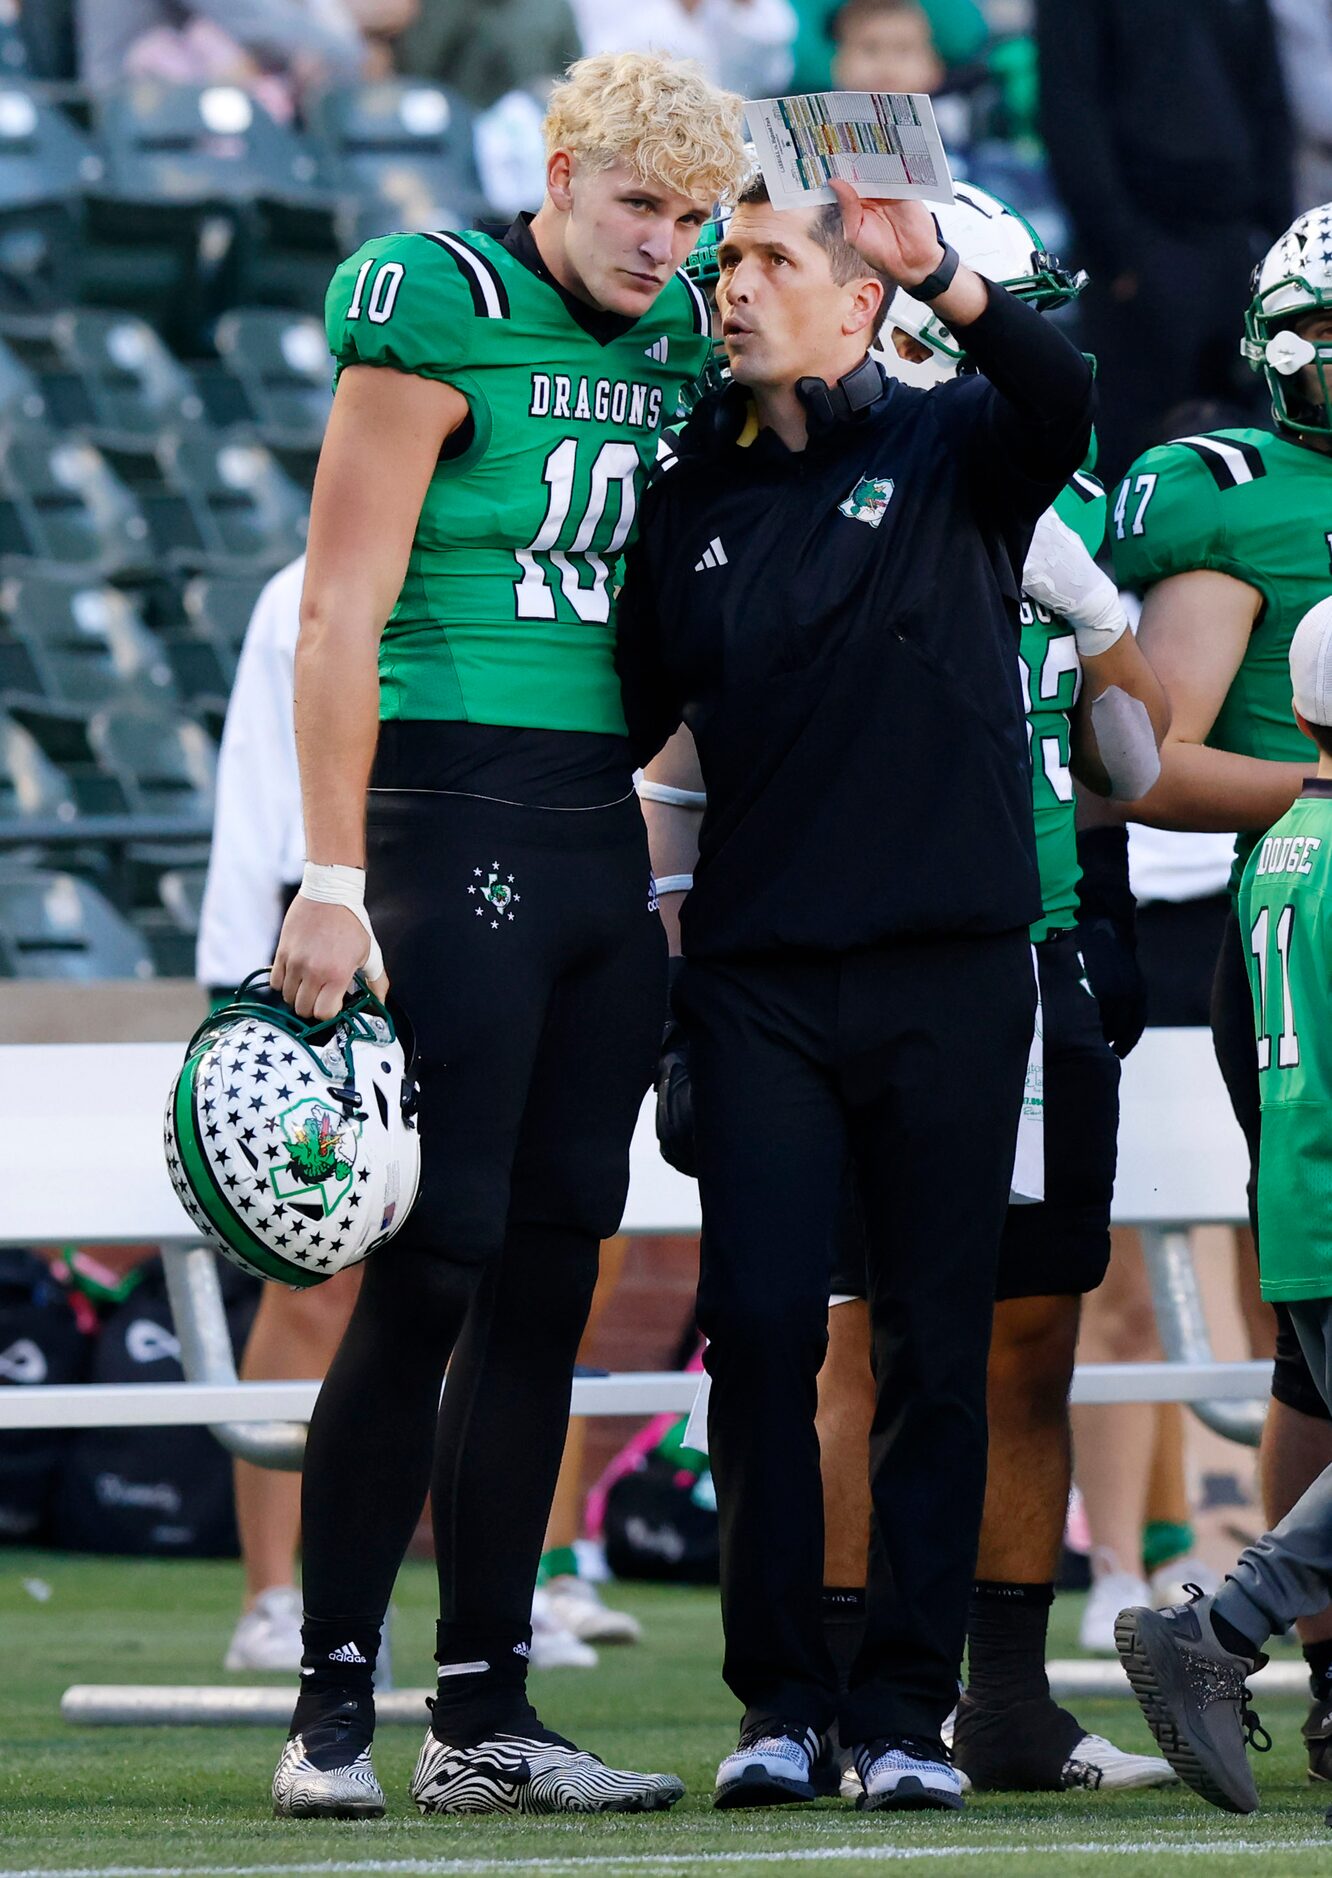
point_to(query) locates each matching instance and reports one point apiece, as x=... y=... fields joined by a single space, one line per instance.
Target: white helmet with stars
x=293 y=1146
x=1000 y=244
x=1294 y=277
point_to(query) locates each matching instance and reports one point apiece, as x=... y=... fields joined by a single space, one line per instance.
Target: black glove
x=1107 y=936
x=675 y=1102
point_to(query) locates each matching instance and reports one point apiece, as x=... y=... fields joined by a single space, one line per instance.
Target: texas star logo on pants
x=496 y=899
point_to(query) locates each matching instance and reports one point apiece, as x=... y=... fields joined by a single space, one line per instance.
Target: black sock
x=339 y=1653
x=1006 y=1627
x=1319 y=1658
x=482 y=1682
x=1234 y=1640
x=843 y=1628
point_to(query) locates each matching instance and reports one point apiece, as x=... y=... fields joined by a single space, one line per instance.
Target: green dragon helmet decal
x=291 y=1145
x=1000 y=244
x=1293 y=278
x=703 y=269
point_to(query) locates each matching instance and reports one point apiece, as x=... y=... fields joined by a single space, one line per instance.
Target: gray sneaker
x=1192 y=1691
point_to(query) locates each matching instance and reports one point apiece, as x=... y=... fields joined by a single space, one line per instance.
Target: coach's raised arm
x=825 y=591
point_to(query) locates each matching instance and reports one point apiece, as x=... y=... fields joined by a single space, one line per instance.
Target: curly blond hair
x=662 y=116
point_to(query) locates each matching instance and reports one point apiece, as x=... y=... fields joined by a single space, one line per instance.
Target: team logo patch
x=496 y=899
x=321 y=1155
x=868 y=501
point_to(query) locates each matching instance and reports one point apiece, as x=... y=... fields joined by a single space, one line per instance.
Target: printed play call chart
x=886 y=143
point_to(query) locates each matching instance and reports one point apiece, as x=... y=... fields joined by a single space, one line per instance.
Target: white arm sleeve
x=258 y=841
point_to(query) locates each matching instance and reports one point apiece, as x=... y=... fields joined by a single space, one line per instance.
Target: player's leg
x=934 y=1126
x=1297 y=1440
x=505 y=1410
x=477 y=1012
x=294 y=1337
x=771 y=1155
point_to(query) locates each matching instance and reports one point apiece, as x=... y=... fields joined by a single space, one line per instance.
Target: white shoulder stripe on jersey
x=702 y=311
x=1224 y=453
x=1088 y=484
x=488 y=291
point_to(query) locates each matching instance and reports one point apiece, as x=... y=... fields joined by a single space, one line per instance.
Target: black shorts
x=1178 y=944
x=1062 y=1245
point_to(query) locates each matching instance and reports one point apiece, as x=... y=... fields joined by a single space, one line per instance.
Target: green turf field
x=117 y=1803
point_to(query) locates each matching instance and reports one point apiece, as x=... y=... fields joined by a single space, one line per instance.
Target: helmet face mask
x=293 y=1146
x=704 y=270
x=1294 y=279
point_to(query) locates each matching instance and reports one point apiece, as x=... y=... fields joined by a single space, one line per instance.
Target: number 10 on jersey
x=617 y=464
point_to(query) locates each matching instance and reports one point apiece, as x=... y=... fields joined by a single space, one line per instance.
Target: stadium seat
x=167 y=143
x=61 y=503
x=22 y=398
x=87 y=643
x=407 y=149
x=220 y=605
x=162 y=759
x=32 y=789
x=45 y=166
x=222 y=500
x=130 y=386
x=53 y=925
x=181 y=890
x=203 y=669
x=282 y=364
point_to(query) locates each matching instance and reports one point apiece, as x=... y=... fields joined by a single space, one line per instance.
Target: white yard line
x=637 y=1862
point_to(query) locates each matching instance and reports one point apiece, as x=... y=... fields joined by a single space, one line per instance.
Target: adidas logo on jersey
x=658 y=350
x=346 y=1653
x=714 y=555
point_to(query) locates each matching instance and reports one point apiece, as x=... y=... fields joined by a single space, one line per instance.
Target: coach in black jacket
x=825 y=591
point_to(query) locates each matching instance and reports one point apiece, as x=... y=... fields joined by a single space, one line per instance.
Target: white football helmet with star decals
x=1293 y=278
x=293 y=1146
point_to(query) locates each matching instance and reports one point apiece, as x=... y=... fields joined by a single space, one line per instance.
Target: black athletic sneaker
x=531 y=1770
x=774 y=1765
x=325 y=1771
x=1317 y=1732
x=1038 y=1747
x=1193 y=1692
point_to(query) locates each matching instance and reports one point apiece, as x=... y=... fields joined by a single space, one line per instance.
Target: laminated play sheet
x=885 y=143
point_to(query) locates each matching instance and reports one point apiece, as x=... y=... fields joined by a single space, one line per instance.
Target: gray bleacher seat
x=281 y=362
x=130 y=386
x=220 y=605
x=32 y=789
x=406 y=148
x=61 y=503
x=222 y=499
x=53 y=925
x=164 y=761
x=87 y=642
x=46 y=164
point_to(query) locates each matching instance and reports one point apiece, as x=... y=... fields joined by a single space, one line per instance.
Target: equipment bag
x=160 y=1492
x=41 y=1341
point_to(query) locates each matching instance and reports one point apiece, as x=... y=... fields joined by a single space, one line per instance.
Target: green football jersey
x=506 y=615
x=1285 y=908
x=1051 y=682
x=1257 y=507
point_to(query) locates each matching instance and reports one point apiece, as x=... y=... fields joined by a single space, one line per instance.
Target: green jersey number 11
x=534 y=596
x=1288 y=1043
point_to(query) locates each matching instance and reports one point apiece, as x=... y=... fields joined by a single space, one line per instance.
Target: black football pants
x=911 y=1059
x=522 y=944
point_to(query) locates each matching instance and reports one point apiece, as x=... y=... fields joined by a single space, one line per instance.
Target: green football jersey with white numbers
x=1051 y=682
x=1285 y=908
x=1257 y=507
x=506 y=615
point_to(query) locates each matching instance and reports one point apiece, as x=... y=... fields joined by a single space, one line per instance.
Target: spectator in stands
x=1304 y=38
x=958 y=28
x=743 y=44
x=487 y=48
x=275 y=49
x=889 y=45
x=1169 y=141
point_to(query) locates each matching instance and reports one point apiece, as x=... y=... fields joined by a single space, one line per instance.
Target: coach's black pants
x=1236 y=1046
x=911 y=1058
x=524 y=947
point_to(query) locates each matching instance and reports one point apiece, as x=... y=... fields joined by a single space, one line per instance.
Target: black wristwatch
x=941 y=279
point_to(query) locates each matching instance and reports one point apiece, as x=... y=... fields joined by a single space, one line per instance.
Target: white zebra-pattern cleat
x=532 y=1773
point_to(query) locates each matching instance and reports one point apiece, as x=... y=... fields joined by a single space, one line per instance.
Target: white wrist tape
x=1098 y=626
x=343 y=886
x=1061 y=576
x=674 y=883
x=1126 y=742
x=673 y=798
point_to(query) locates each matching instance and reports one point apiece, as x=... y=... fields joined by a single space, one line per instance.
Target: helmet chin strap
x=855 y=391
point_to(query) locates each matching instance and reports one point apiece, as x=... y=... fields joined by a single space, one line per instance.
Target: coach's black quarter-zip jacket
x=838 y=626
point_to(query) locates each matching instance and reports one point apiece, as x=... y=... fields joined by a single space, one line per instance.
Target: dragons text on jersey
x=506 y=613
